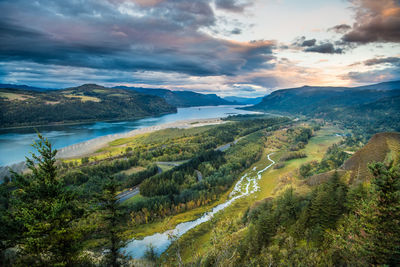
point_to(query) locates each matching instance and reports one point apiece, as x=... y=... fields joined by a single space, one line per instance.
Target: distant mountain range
x=182 y=98
x=23 y=87
x=244 y=100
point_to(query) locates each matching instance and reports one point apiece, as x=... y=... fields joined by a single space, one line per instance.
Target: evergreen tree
x=112 y=214
x=47 y=213
x=371 y=234
x=326 y=207
x=383 y=222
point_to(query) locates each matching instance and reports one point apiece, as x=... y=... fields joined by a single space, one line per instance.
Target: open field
x=84 y=98
x=14 y=96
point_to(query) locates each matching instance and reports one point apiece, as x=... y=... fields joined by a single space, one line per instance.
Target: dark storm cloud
x=232 y=5
x=122 y=35
x=324 y=48
x=341 y=28
x=376 y=21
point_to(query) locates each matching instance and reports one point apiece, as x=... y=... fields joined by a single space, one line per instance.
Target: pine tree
x=112 y=213
x=383 y=223
x=371 y=234
x=47 y=212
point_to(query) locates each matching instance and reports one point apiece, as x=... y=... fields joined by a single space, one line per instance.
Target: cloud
x=308 y=43
x=376 y=21
x=341 y=28
x=312 y=45
x=232 y=5
x=382 y=60
x=125 y=36
x=236 y=31
x=374 y=76
x=324 y=48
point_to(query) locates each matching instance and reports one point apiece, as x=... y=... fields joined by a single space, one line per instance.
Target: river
x=15 y=144
x=247 y=184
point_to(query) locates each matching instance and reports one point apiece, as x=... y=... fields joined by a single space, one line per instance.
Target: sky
x=244 y=48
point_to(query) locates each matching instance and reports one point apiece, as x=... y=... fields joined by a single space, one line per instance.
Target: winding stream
x=248 y=184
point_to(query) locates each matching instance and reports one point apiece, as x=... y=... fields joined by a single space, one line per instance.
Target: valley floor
x=272 y=182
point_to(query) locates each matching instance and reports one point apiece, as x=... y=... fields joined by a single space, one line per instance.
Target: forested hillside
x=79 y=104
x=364 y=109
x=182 y=98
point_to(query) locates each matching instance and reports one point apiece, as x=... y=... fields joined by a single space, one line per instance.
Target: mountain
x=23 y=87
x=181 y=98
x=309 y=100
x=89 y=102
x=243 y=100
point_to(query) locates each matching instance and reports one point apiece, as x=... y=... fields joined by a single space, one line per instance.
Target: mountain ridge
x=85 y=103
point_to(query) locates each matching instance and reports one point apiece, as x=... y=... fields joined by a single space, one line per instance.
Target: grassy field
x=14 y=96
x=84 y=98
x=269 y=186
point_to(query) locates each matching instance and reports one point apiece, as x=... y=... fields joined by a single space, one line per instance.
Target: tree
x=371 y=234
x=46 y=211
x=112 y=214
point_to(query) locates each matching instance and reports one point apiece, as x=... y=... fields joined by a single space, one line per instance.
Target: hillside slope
x=382 y=147
x=182 y=98
x=88 y=102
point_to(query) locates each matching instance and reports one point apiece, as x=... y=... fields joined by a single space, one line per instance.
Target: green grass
x=84 y=98
x=14 y=96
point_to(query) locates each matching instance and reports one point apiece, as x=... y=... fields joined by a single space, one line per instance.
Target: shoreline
x=55 y=124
